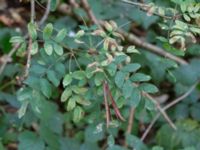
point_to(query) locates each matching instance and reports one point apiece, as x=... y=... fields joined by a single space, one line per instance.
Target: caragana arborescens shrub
x=89 y=87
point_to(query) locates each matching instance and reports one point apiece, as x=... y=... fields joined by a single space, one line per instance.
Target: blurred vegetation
x=99 y=74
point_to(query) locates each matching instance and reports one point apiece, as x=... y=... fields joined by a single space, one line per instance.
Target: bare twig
x=150 y=126
x=32 y=10
x=161 y=111
x=74 y=3
x=130 y=120
x=135 y=3
x=28 y=63
x=106 y=106
x=138 y=42
x=177 y=100
x=46 y=14
x=130 y=123
x=174 y=102
x=89 y=12
x=5 y=61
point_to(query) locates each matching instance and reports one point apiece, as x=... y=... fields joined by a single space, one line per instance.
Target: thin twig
x=150 y=126
x=130 y=120
x=108 y=117
x=74 y=3
x=130 y=124
x=174 y=102
x=161 y=110
x=7 y=57
x=32 y=10
x=28 y=63
x=46 y=14
x=140 y=43
x=89 y=12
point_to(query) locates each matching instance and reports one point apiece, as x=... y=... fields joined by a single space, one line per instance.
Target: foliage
x=76 y=68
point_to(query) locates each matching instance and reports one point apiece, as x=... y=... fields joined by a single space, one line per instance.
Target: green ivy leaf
x=120 y=102
x=32 y=31
x=135 y=98
x=67 y=79
x=46 y=88
x=111 y=141
x=149 y=104
x=78 y=114
x=71 y=104
x=131 y=67
x=34 y=48
x=16 y=39
x=120 y=59
x=61 y=35
x=99 y=78
x=132 y=49
x=149 y=88
x=127 y=89
x=82 y=101
x=119 y=78
x=66 y=94
x=22 y=49
x=51 y=75
x=47 y=32
x=79 y=90
x=58 y=49
x=112 y=68
x=48 y=48
x=79 y=75
x=23 y=108
x=53 y=5
x=135 y=142
x=140 y=77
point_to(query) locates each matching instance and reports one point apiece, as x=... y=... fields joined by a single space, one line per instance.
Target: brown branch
x=130 y=124
x=161 y=110
x=8 y=57
x=74 y=3
x=130 y=120
x=46 y=14
x=28 y=63
x=114 y=105
x=89 y=12
x=106 y=105
x=138 y=42
x=174 y=102
x=32 y=10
